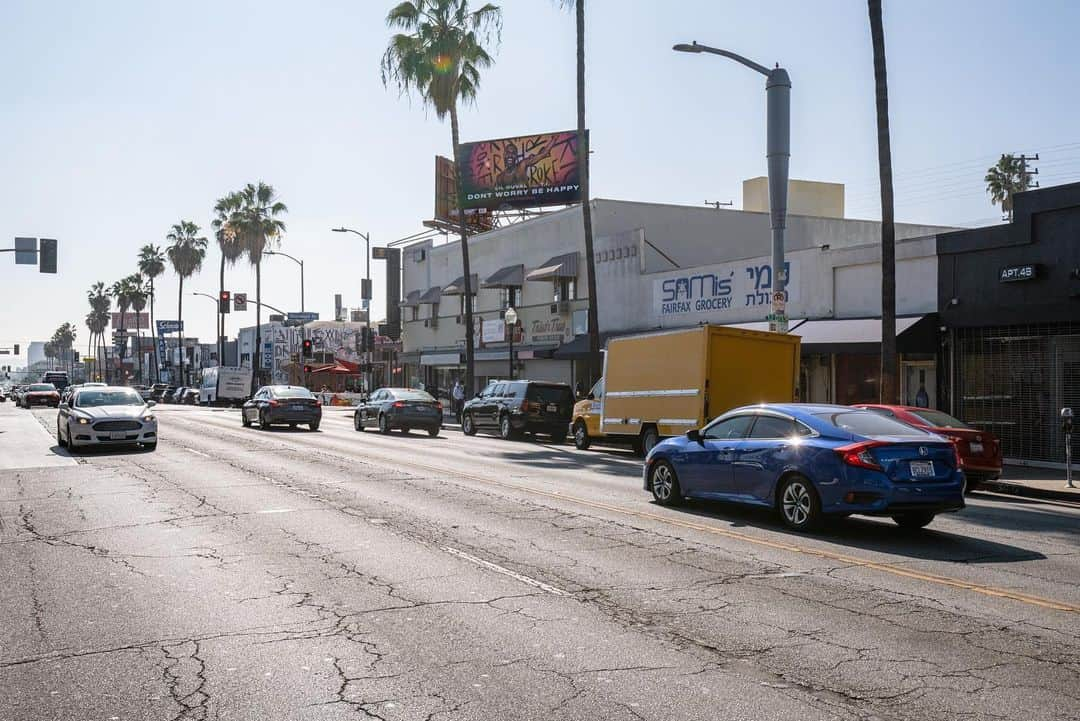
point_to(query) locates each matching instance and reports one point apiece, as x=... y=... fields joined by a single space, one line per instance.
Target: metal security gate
x=1013 y=381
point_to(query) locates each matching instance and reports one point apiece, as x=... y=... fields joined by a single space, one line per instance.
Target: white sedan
x=110 y=415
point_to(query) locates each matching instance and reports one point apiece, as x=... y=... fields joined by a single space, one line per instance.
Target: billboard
x=446 y=200
x=524 y=172
x=130 y=321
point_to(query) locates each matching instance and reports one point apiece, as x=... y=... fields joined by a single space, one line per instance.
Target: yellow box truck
x=665 y=383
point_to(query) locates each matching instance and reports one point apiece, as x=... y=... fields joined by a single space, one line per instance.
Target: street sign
x=26 y=251
x=169 y=326
x=298 y=317
x=378 y=253
x=239 y=301
x=365 y=289
x=121 y=333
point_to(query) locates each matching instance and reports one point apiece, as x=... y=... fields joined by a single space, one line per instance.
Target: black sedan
x=400 y=408
x=291 y=405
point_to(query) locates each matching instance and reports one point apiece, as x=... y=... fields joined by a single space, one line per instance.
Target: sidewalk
x=24 y=442
x=1046 y=483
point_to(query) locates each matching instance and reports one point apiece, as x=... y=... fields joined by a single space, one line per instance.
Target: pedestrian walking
x=457 y=395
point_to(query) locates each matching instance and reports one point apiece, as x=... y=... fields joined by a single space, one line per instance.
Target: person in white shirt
x=457 y=394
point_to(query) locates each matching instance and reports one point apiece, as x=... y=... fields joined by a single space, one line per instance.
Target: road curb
x=1019 y=489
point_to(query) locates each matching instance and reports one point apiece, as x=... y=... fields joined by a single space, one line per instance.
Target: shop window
x=565 y=289
x=857 y=378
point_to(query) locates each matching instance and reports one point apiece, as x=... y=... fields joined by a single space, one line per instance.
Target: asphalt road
x=245 y=574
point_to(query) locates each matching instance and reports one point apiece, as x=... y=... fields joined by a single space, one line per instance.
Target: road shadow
x=871 y=534
x=561 y=458
x=1014 y=513
x=98 y=450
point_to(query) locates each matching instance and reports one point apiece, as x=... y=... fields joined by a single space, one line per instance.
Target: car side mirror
x=591 y=397
x=694 y=435
x=151 y=404
x=478 y=394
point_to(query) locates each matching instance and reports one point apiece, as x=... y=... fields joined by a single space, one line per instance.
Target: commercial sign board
x=1014 y=273
x=493 y=331
x=523 y=172
x=131 y=320
x=169 y=326
x=26 y=251
x=298 y=317
x=268 y=355
x=723 y=293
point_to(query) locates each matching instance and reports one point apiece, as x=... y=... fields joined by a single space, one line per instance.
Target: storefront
x=1010 y=305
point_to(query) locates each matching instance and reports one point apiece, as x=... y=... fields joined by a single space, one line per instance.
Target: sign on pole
x=298 y=317
x=169 y=326
x=239 y=301
x=26 y=251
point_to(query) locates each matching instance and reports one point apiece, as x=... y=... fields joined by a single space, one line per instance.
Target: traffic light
x=367 y=339
x=46 y=255
x=16 y=349
x=225 y=301
x=306 y=352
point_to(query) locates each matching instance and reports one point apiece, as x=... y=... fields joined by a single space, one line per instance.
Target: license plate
x=117 y=436
x=552 y=408
x=922 y=469
x=296 y=407
x=976 y=447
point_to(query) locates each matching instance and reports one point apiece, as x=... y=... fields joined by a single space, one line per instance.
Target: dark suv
x=516 y=407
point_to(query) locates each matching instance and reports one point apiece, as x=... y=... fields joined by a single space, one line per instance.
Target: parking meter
x=1066 y=428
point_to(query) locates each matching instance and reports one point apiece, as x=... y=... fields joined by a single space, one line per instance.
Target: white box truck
x=225 y=385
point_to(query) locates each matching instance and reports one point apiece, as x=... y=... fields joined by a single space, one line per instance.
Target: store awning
x=412 y=299
x=561 y=266
x=512 y=276
x=431 y=296
x=915 y=334
x=578 y=349
x=332 y=368
x=458 y=286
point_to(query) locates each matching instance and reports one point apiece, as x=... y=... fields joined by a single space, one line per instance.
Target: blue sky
x=120 y=118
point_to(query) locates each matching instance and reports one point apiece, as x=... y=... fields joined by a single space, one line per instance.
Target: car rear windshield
x=413 y=396
x=939 y=419
x=43 y=387
x=867 y=423
x=550 y=394
x=289 y=392
x=94 y=399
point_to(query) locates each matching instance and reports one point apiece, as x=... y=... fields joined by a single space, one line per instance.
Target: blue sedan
x=811 y=462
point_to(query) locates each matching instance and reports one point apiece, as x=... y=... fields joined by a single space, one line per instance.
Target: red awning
x=335 y=368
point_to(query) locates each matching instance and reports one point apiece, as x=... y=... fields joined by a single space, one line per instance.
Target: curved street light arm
x=696 y=47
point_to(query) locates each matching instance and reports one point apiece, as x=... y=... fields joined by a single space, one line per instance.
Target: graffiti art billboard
x=528 y=171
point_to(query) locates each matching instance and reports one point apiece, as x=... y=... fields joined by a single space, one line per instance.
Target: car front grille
x=117 y=426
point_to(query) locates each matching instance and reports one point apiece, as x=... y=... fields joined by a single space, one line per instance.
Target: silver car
x=109 y=415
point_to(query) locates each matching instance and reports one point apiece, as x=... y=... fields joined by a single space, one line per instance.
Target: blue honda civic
x=811 y=462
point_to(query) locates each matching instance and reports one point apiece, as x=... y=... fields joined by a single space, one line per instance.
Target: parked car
x=292 y=405
x=145 y=392
x=106 y=415
x=172 y=394
x=516 y=407
x=189 y=397
x=979 y=451
x=399 y=409
x=157 y=391
x=40 y=394
x=811 y=462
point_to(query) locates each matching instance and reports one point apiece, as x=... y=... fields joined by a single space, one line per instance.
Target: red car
x=979 y=451
x=41 y=394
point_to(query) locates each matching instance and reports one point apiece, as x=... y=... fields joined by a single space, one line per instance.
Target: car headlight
x=149 y=419
x=84 y=421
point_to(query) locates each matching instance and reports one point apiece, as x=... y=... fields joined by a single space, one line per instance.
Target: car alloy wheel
x=384 y=425
x=263 y=423
x=664 y=484
x=799 y=505
x=505 y=429
x=60 y=438
x=468 y=427
x=581 y=436
x=244 y=421
x=433 y=432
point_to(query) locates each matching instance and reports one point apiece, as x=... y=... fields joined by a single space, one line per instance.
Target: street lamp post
x=299 y=262
x=778 y=153
x=511 y=318
x=367 y=278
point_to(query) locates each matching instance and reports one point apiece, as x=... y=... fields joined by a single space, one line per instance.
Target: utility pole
x=1026 y=182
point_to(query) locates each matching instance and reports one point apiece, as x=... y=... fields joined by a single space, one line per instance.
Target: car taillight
x=525 y=406
x=318 y=403
x=274 y=404
x=859 y=455
x=958 y=460
x=399 y=404
x=438 y=407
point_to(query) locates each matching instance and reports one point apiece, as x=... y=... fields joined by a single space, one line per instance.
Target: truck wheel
x=649 y=439
x=581 y=436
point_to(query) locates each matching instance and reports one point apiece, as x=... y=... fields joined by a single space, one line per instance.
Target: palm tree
x=439 y=56
x=121 y=292
x=888 y=390
x=1006 y=178
x=594 y=363
x=232 y=247
x=138 y=293
x=151 y=265
x=185 y=253
x=256 y=223
x=98 y=320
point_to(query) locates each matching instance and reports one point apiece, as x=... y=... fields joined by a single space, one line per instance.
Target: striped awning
x=561 y=266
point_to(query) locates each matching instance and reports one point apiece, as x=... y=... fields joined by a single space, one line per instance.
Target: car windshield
x=411 y=395
x=94 y=398
x=550 y=394
x=938 y=419
x=291 y=392
x=867 y=423
x=43 y=387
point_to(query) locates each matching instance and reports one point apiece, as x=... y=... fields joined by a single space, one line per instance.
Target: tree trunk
x=888 y=390
x=221 y=316
x=469 y=359
x=180 y=321
x=594 y=363
x=256 y=354
x=153 y=335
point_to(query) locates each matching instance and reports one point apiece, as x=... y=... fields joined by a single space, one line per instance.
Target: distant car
x=979 y=451
x=399 y=409
x=811 y=462
x=189 y=397
x=41 y=394
x=171 y=394
x=106 y=415
x=516 y=407
x=145 y=392
x=157 y=391
x=291 y=405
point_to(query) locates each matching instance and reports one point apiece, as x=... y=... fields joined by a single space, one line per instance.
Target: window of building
x=415 y=312
x=434 y=310
x=462 y=305
x=565 y=289
x=510 y=297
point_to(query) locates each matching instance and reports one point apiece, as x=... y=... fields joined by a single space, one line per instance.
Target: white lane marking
x=505 y=571
x=198 y=453
x=277 y=510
